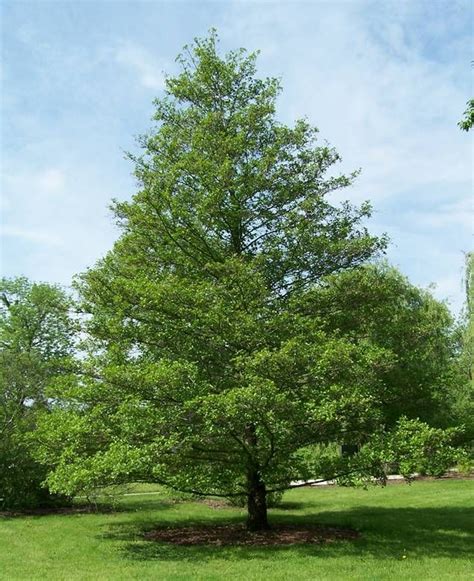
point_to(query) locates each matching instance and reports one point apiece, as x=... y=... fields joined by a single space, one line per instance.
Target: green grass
x=430 y=523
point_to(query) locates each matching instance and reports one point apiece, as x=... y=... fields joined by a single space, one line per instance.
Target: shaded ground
x=238 y=535
x=60 y=510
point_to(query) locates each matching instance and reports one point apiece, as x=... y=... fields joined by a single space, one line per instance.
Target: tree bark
x=256 y=502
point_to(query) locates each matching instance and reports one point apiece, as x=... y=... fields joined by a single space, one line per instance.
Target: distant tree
x=211 y=362
x=377 y=304
x=464 y=392
x=469 y=338
x=36 y=335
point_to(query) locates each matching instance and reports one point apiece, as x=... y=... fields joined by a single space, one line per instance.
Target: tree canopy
x=36 y=337
x=220 y=344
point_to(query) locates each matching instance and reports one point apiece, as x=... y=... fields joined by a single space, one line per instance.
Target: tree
x=469 y=334
x=208 y=368
x=36 y=335
x=376 y=303
x=464 y=392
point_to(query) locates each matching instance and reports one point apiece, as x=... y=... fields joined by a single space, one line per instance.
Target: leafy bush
x=21 y=479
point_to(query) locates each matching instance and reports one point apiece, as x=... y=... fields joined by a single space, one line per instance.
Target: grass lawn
x=423 y=531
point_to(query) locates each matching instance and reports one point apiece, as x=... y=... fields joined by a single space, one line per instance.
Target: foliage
x=469 y=333
x=413 y=447
x=467 y=121
x=211 y=364
x=36 y=335
x=377 y=305
x=464 y=395
x=410 y=447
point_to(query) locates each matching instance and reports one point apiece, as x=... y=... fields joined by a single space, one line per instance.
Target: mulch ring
x=225 y=535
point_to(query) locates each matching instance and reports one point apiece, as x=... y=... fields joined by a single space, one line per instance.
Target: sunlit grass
x=422 y=531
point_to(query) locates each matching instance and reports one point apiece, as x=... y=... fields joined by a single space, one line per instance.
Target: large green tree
x=210 y=366
x=36 y=339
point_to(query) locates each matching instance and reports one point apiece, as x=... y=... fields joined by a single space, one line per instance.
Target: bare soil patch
x=226 y=535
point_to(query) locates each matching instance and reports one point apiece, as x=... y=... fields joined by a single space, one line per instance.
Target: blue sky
x=386 y=83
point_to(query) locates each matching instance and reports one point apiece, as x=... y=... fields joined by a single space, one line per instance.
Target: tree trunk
x=256 y=503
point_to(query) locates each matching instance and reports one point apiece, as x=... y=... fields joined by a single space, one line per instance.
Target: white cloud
x=51 y=180
x=35 y=184
x=144 y=65
x=36 y=236
x=375 y=96
x=458 y=214
x=450 y=288
x=56 y=222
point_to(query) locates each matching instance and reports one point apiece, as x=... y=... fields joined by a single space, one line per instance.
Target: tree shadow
x=81 y=508
x=386 y=533
x=294 y=505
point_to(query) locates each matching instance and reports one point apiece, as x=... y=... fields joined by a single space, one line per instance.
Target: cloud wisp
x=146 y=68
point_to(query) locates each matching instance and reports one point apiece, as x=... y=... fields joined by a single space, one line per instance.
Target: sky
x=386 y=83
